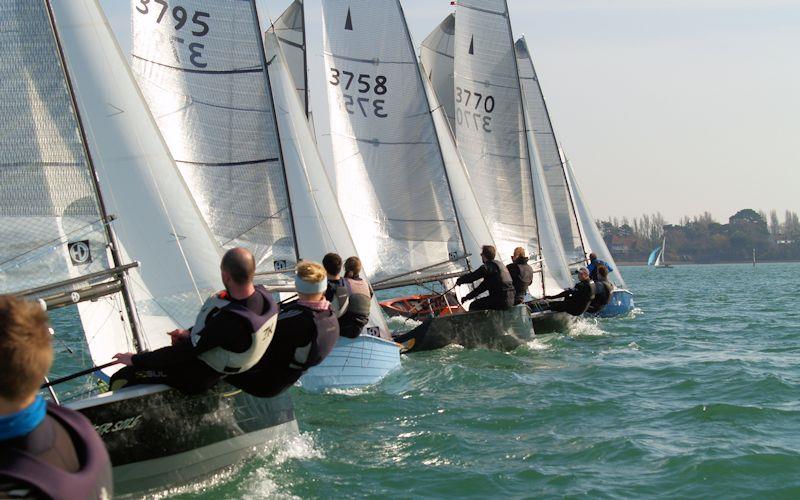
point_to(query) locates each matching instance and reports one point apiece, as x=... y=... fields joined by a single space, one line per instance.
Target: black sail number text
x=361 y=85
x=474 y=109
x=197 y=25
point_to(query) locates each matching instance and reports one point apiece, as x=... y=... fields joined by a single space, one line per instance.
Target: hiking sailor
x=594 y=262
x=521 y=274
x=602 y=290
x=336 y=293
x=46 y=450
x=231 y=333
x=359 y=298
x=306 y=333
x=496 y=280
x=576 y=299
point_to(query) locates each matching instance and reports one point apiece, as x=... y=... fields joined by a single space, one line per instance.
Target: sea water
x=696 y=395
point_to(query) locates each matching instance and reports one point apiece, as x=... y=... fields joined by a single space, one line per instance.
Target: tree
x=774 y=224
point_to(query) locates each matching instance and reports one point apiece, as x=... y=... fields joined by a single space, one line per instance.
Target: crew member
x=231 y=333
x=602 y=290
x=594 y=262
x=359 y=294
x=46 y=451
x=521 y=274
x=306 y=333
x=336 y=293
x=576 y=299
x=496 y=280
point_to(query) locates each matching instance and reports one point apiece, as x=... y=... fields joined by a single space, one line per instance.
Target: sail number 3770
x=477 y=109
x=365 y=84
x=181 y=17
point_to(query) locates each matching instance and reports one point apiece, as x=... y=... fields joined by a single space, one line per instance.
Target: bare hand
x=126 y=358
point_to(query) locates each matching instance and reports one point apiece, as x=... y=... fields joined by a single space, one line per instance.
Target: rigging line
x=55 y=240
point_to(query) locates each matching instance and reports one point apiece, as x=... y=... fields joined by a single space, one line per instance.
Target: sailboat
x=657 y=256
x=82 y=146
x=235 y=119
x=396 y=183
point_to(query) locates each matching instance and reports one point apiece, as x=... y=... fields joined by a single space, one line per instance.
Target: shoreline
x=644 y=263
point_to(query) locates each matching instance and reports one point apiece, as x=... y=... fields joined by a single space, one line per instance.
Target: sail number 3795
x=181 y=16
x=365 y=84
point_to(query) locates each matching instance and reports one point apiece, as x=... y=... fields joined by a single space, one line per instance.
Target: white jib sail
x=290 y=30
x=320 y=225
x=436 y=54
x=593 y=240
x=542 y=127
x=157 y=222
x=490 y=127
x=392 y=184
x=201 y=67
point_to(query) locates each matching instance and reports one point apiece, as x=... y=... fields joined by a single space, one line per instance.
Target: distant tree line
x=701 y=239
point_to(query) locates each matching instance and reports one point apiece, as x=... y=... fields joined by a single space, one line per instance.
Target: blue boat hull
x=353 y=363
x=621 y=305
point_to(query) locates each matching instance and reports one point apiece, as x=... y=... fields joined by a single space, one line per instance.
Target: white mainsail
x=157 y=222
x=560 y=200
x=436 y=55
x=593 y=240
x=290 y=33
x=201 y=67
x=392 y=183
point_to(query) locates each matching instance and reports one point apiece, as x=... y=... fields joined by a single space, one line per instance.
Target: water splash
x=586 y=327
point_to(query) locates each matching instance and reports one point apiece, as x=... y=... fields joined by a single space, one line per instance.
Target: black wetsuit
x=576 y=299
x=279 y=368
x=179 y=366
x=496 y=280
x=602 y=295
x=522 y=277
x=54 y=444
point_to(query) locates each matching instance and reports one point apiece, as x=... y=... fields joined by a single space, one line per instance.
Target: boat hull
x=353 y=363
x=504 y=330
x=621 y=305
x=545 y=322
x=158 y=437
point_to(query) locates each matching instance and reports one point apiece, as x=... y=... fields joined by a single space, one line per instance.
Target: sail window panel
x=549 y=155
x=391 y=180
x=213 y=106
x=436 y=55
x=490 y=130
x=47 y=200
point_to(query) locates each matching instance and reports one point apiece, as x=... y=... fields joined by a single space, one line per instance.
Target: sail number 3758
x=181 y=16
x=365 y=84
x=477 y=114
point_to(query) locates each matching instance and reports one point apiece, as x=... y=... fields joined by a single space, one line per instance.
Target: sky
x=675 y=106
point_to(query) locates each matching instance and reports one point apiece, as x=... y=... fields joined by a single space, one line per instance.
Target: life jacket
x=93 y=480
x=262 y=329
x=322 y=342
x=522 y=277
x=602 y=295
x=581 y=307
x=499 y=282
x=338 y=296
x=359 y=296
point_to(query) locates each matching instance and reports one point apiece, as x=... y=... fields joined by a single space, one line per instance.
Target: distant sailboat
x=82 y=146
x=658 y=255
x=234 y=116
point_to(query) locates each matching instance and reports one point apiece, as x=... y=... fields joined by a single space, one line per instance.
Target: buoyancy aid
x=359 y=297
x=522 y=276
x=261 y=330
x=499 y=281
x=603 y=289
x=339 y=298
x=323 y=340
x=92 y=480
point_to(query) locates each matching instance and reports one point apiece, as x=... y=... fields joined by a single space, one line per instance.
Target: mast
x=438 y=142
x=305 y=57
x=263 y=54
x=126 y=294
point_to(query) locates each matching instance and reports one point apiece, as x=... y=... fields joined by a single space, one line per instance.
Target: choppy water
x=698 y=396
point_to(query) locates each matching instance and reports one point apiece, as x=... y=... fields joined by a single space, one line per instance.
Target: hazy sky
x=677 y=106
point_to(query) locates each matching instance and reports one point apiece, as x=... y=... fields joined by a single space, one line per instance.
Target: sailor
x=336 y=293
x=46 y=451
x=521 y=274
x=576 y=299
x=231 y=333
x=359 y=296
x=593 y=263
x=602 y=290
x=496 y=280
x=306 y=333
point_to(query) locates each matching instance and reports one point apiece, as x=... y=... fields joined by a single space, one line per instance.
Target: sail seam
x=203 y=71
x=229 y=164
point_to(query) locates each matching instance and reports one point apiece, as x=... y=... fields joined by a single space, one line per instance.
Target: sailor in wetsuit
x=521 y=274
x=336 y=292
x=602 y=290
x=496 y=280
x=594 y=262
x=231 y=333
x=306 y=333
x=576 y=299
x=358 y=295
x=46 y=451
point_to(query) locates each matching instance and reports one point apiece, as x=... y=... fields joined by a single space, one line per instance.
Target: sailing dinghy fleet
x=123 y=184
